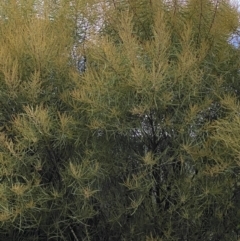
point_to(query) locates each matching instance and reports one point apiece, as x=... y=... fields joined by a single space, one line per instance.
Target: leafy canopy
x=143 y=145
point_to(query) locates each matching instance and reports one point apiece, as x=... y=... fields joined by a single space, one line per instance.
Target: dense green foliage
x=143 y=145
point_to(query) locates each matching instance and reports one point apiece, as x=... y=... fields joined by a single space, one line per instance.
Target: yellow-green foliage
x=37 y=131
x=159 y=74
x=143 y=145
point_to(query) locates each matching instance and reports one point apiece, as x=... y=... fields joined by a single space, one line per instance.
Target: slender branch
x=200 y=22
x=73 y=233
x=214 y=16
